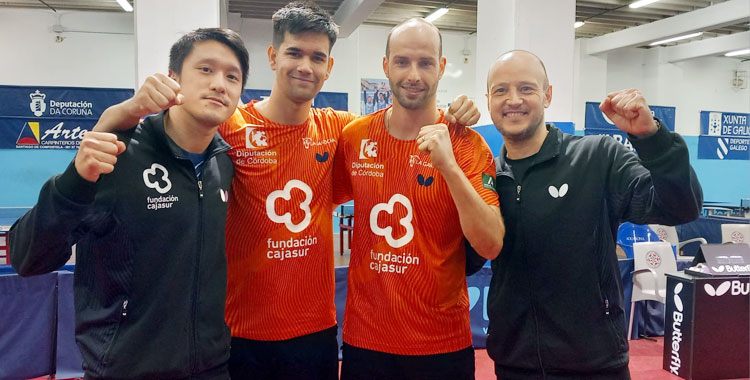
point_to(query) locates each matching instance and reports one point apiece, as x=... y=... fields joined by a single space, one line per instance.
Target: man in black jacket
x=555 y=302
x=146 y=209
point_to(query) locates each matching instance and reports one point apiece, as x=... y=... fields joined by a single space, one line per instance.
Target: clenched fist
x=435 y=141
x=97 y=155
x=630 y=113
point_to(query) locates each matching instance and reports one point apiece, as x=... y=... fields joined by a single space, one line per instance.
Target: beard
x=410 y=102
x=525 y=133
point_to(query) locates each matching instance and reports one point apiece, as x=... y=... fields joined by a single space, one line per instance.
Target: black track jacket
x=555 y=302
x=150 y=276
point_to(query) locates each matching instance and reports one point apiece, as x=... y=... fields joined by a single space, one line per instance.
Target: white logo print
x=286 y=194
x=677 y=299
x=723 y=148
x=719 y=291
x=254 y=138
x=675 y=362
x=37 y=105
x=224 y=195
x=368 y=149
x=558 y=193
x=387 y=232
x=719 y=269
x=714 y=123
x=156 y=185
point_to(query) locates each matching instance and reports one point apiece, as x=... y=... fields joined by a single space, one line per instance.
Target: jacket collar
x=217 y=144
x=550 y=149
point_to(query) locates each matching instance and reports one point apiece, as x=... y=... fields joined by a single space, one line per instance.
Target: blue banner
x=336 y=100
x=41 y=117
x=596 y=123
x=723 y=148
x=728 y=124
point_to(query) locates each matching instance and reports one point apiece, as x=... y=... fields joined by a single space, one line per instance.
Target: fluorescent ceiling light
x=673 y=39
x=578 y=24
x=437 y=14
x=125 y=5
x=641 y=3
x=738 y=52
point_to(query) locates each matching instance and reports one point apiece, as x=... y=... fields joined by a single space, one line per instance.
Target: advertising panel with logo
x=707 y=334
x=724 y=136
x=336 y=100
x=720 y=339
x=597 y=123
x=52 y=117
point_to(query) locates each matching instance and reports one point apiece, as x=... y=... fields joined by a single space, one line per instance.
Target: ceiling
x=601 y=16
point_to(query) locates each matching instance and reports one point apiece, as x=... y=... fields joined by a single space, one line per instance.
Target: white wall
x=695 y=85
x=30 y=55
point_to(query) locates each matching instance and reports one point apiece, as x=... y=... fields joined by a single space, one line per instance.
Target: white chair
x=735 y=233
x=651 y=262
x=669 y=234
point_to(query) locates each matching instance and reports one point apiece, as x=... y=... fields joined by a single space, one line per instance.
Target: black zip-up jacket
x=555 y=302
x=150 y=277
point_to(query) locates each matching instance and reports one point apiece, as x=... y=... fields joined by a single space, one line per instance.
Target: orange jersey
x=407 y=290
x=279 y=225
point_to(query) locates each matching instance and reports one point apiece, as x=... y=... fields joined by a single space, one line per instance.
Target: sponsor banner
x=336 y=100
x=39 y=117
x=597 y=123
x=619 y=136
x=59 y=102
x=595 y=118
x=30 y=133
x=723 y=148
x=727 y=124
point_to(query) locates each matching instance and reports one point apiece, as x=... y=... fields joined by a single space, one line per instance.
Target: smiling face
x=517 y=95
x=211 y=83
x=414 y=65
x=302 y=65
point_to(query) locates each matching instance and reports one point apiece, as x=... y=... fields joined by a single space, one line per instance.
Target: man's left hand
x=630 y=113
x=462 y=111
x=435 y=141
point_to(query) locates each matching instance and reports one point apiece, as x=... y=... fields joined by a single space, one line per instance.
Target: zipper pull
x=200 y=188
x=125 y=308
x=518 y=193
x=606 y=306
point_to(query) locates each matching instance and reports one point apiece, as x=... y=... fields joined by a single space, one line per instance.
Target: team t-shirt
x=407 y=290
x=279 y=225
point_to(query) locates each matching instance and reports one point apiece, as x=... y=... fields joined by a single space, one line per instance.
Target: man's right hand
x=157 y=93
x=97 y=155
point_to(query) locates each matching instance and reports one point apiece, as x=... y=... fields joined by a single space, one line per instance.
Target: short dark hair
x=184 y=46
x=303 y=17
x=388 y=39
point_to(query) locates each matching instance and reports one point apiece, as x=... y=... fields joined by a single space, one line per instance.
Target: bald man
x=412 y=178
x=555 y=301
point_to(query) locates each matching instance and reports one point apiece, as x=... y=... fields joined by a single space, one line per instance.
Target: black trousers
x=362 y=364
x=311 y=357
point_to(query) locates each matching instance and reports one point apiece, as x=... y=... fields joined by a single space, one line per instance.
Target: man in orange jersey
x=280 y=299
x=411 y=178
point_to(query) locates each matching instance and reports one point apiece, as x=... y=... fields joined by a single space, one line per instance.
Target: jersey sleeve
x=478 y=165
